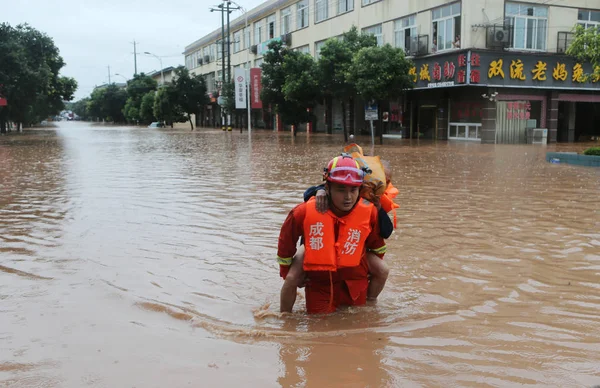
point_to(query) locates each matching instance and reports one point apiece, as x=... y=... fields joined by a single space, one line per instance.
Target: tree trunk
x=351 y=118
x=190 y=119
x=343 y=101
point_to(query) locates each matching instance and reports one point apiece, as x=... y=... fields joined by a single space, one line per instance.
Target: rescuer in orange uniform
x=336 y=243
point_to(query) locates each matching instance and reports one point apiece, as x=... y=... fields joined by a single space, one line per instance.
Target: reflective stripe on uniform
x=379 y=251
x=284 y=260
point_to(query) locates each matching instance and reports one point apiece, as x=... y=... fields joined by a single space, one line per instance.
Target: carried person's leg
x=293 y=280
x=379 y=273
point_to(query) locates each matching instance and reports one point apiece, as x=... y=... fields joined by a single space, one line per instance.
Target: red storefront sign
x=256 y=79
x=518 y=110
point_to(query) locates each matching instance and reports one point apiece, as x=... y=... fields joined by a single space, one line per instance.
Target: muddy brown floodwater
x=147 y=258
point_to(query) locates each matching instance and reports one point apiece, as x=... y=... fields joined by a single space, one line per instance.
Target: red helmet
x=344 y=170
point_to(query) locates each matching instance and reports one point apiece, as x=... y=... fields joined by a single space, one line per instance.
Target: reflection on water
x=146 y=257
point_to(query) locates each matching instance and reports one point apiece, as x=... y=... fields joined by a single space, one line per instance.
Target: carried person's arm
x=375 y=242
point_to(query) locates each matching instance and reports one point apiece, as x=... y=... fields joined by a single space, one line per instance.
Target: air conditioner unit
x=540 y=136
x=254 y=49
x=206 y=59
x=502 y=36
x=200 y=61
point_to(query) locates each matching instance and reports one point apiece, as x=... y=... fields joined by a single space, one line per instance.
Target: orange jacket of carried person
x=387 y=201
x=327 y=250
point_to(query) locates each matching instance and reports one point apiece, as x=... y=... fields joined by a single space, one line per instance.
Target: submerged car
x=156 y=124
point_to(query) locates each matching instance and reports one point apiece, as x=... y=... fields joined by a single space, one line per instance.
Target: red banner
x=256 y=79
x=3 y=101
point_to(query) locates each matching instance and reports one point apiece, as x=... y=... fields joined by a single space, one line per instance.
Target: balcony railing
x=419 y=45
x=564 y=40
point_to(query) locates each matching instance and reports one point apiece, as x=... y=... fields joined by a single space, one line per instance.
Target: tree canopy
x=586 y=46
x=30 y=67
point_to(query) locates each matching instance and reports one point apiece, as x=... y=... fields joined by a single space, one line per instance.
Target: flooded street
x=147 y=258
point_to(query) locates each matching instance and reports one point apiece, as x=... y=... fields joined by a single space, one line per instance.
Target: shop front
x=501 y=97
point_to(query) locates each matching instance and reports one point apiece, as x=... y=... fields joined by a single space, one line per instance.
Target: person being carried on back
x=333 y=265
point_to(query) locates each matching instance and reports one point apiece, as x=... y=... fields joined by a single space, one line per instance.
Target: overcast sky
x=94 y=34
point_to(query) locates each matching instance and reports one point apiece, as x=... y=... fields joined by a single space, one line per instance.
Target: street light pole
x=162 y=76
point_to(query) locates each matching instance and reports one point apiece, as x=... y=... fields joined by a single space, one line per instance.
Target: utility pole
x=134 y=58
x=109 y=75
x=225 y=6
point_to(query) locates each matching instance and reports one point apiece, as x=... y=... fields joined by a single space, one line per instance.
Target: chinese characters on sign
x=240 y=88
x=466 y=111
x=256 y=79
x=518 y=110
x=496 y=69
x=475 y=74
x=539 y=70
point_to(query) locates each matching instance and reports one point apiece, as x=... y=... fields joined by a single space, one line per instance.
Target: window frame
x=302 y=14
x=365 y=3
x=435 y=26
x=286 y=14
x=379 y=36
x=318 y=47
x=588 y=23
x=237 y=41
x=247 y=36
x=526 y=18
x=321 y=6
x=400 y=28
x=271 y=22
x=258 y=32
x=349 y=6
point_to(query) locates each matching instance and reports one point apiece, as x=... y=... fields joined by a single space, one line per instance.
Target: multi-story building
x=484 y=69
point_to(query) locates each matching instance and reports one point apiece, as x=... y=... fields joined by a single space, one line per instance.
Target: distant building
x=484 y=71
x=167 y=72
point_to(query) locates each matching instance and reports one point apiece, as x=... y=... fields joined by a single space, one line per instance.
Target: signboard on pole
x=239 y=77
x=256 y=82
x=371 y=113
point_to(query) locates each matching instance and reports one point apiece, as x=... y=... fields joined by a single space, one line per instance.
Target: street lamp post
x=248 y=70
x=162 y=76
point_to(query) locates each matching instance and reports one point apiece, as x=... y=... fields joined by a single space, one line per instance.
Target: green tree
x=335 y=59
x=273 y=75
x=301 y=88
x=380 y=73
x=585 y=47
x=80 y=108
x=137 y=88
x=190 y=92
x=29 y=72
x=166 y=107
x=147 y=107
x=107 y=103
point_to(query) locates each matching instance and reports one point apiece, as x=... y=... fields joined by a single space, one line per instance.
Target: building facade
x=484 y=70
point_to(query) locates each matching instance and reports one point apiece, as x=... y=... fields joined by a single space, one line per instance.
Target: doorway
x=427 y=127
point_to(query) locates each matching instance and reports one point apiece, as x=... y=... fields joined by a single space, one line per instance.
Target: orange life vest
x=387 y=201
x=327 y=252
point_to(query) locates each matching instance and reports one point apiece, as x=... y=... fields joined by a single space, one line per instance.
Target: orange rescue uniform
x=335 y=257
x=387 y=201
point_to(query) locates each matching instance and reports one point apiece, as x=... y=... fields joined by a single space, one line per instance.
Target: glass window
x=345 y=6
x=530 y=25
x=303 y=49
x=589 y=19
x=322 y=10
x=376 y=31
x=271 y=27
x=237 y=41
x=302 y=14
x=318 y=47
x=367 y=2
x=258 y=32
x=286 y=20
x=446 y=27
x=219 y=49
x=258 y=62
x=247 y=42
x=404 y=30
